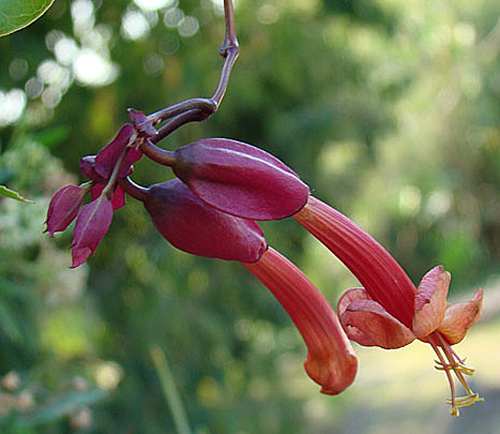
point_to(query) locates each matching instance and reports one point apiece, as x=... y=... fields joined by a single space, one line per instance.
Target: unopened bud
x=240 y=179
x=195 y=227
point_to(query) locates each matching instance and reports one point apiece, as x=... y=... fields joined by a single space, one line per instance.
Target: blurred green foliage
x=389 y=110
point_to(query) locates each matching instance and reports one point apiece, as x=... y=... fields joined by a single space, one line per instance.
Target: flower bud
x=117 y=198
x=64 y=207
x=195 y=227
x=240 y=179
x=92 y=223
x=87 y=168
x=330 y=361
x=107 y=158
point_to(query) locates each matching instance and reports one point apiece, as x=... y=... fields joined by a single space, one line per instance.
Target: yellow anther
x=465 y=401
x=465 y=369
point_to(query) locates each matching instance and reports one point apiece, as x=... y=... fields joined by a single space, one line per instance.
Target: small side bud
x=195 y=227
x=64 y=207
x=107 y=158
x=87 y=168
x=240 y=179
x=92 y=223
x=117 y=199
x=142 y=124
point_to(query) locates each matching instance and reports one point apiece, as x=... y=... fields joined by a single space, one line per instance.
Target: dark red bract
x=195 y=227
x=240 y=179
x=107 y=158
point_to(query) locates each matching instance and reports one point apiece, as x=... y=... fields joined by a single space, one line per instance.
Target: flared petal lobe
x=195 y=227
x=369 y=324
x=240 y=179
x=460 y=317
x=430 y=301
x=330 y=360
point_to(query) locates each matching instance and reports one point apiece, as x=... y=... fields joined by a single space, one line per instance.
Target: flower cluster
x=103 y=170
x=223 y=187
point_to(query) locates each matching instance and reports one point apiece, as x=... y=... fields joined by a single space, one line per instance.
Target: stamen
x=454 y=409
x=467 y=370
x=453 y=363
x=464 y=401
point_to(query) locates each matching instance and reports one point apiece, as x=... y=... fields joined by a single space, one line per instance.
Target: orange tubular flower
x=330 y=361
x=388 y=311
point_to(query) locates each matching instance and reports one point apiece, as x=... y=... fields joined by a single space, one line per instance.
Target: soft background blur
x=389 y=110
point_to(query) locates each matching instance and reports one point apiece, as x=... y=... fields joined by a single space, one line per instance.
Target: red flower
x=330 y=361
x=389 y=311
x=191 y=225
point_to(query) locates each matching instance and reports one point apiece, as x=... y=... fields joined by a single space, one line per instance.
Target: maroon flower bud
x=92 y=223
x=195 y=227
x=64 y=207
x=107 y=158
x=240 y=179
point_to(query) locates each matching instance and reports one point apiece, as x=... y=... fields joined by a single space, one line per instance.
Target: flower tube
x=193 y=226
x=330 y=361
x=389 y=311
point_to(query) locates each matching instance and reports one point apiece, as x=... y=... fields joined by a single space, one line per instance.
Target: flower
x=195 y=227
x=330 y=360
x=388 y=311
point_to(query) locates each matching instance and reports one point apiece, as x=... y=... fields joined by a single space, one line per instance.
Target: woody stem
x=198 y=109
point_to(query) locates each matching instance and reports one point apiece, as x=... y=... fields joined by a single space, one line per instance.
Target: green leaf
x=6 y=192
x=17 y=14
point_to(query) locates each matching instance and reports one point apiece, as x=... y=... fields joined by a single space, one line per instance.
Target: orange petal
x=349 y=296
x=330 y=361
x=353 y=333
x=368 y=323
x=460 y=317
x=430 y=301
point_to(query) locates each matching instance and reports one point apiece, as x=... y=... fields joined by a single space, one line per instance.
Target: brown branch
x=198 y=109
